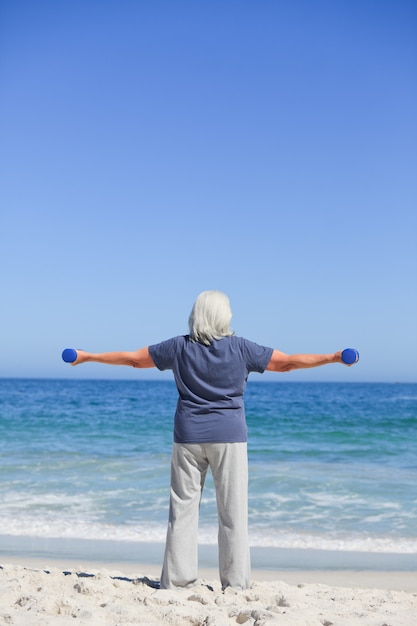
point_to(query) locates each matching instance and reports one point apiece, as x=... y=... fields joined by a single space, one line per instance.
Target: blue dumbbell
x=350 y=355
x=69 y=355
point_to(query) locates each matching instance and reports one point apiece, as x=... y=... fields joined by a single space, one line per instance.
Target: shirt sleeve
x=163 y=354
x=257 y=357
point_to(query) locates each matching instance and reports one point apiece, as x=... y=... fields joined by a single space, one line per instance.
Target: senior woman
x=210 y=366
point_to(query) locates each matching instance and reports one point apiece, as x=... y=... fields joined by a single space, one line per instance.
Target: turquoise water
x=332 y=466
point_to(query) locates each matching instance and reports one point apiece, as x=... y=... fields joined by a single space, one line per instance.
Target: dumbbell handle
x=350 y=355
x=69 y=355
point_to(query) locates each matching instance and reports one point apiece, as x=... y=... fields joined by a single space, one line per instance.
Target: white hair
x=210 y=317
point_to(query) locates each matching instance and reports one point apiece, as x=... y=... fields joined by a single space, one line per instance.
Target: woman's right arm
x=281 y=362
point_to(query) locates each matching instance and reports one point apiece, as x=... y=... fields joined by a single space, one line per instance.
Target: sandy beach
x=41 y=592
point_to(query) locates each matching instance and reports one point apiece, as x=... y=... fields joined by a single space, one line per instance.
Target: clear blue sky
x=154 y=149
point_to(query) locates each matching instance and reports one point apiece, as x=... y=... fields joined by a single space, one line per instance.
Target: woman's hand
x=81 y=357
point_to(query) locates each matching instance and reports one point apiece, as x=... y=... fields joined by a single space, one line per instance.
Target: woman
x=210 y=366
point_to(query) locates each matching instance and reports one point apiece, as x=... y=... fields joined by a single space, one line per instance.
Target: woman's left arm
x=138 y=358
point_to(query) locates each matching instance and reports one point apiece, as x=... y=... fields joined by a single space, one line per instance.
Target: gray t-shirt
x=211 y=381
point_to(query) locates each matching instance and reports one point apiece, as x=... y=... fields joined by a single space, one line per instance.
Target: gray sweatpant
x=229 y=465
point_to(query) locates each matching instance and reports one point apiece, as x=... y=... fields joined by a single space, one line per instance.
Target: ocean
x=332 y=466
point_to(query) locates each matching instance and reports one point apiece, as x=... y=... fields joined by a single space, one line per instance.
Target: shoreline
x=263 y=558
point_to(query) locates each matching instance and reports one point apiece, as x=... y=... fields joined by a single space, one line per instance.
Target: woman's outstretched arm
x=281 y=362
x=138 y=358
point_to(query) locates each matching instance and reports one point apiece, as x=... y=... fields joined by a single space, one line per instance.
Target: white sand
x=87 y=595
